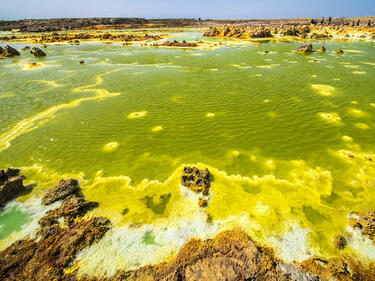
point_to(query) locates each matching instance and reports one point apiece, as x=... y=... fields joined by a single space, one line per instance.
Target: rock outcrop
x=72 y=207
x=46 y=259
x=322 y=49
x=229 y=256
x=60 y=191
x=8 y=52
x=56 y=245
x=37 y=52
x=178 y=44
x=365 y=222
x=339 y=242
x=11 y=184
x=339 y=269
x=238 y=32
x=305 y=49
x=340 y=52
x=196 y=180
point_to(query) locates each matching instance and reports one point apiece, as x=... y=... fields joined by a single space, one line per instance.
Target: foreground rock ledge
x=230 y=256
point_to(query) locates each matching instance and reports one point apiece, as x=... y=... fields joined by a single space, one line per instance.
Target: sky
x=205 y=9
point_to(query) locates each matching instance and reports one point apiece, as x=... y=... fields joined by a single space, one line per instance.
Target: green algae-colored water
x=11 y=221
x=288 y=137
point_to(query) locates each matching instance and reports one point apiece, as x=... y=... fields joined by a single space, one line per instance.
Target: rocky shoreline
x=304 y=31
x=231 y=255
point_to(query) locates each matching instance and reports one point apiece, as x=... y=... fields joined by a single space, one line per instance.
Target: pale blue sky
x=217 y=9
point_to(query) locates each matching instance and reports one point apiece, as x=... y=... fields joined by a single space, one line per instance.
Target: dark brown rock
x=11 y=184
x=305 y=49
x=196 y=180
x=179 y=44
x=37 y=52
x=340 y=52
x=8 y=52
x=322 y=49
x=60 y=191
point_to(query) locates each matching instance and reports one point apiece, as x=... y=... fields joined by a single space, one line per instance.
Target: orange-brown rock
x=339 y=269
x=46 y=259
x=202 y=202
x=339 y=242
x=365 y=222
x=305 y=49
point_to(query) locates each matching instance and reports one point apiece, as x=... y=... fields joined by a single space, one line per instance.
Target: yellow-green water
x=278 y=132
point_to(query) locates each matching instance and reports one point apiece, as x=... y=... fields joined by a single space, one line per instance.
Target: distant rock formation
x=305 y=49
x=238 y=32
x=37 y=52
x=179 y=44
x=8 y=52
x=322 y=49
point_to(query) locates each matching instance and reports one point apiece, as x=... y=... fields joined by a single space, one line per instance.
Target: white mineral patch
x=293 y=245
x=126 y=248
x=360 y=243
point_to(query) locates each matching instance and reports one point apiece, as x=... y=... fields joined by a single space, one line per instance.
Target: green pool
x=289 y=138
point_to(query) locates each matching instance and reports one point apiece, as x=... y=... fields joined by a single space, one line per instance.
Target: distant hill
x=59 y=24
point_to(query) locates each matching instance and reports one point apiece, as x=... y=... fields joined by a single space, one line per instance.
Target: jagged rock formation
x=73 y=38
x=318 y=32
x=46 y=257
x=8 y=52
x=196 y=180
x=178 y=44
x=319 y=36
x=37 y=52
x=11 y=184
x=238 y=32
x=305 y=49
x=61 y=190
x=73 y=206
